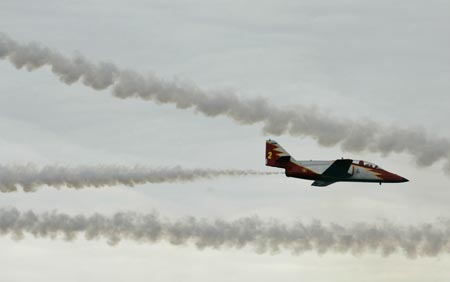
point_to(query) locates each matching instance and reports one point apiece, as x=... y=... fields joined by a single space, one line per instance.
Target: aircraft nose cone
x=398 y=178
x=393 y=178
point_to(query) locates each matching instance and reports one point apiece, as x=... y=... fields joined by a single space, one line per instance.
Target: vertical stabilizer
x=275 y=155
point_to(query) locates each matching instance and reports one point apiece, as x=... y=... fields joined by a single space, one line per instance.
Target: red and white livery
x=325 y=173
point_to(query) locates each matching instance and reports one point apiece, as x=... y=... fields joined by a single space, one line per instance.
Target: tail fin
x=275 y=155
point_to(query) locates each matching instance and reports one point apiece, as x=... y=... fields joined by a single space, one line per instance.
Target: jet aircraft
x=325 y=173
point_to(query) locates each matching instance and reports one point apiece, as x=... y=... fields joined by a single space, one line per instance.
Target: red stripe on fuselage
x=385 y=176
x=296 y=170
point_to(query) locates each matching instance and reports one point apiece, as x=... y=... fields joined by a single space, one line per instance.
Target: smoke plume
x=426 y=240
x=352 y=136
x=29 y=177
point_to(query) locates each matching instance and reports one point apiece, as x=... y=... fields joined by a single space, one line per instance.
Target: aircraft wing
x=321 y=183
x=337 y=171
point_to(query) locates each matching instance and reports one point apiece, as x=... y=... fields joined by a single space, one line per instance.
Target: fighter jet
x=325 y=173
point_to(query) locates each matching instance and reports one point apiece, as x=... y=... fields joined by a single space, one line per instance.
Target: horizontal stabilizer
x=284 y=159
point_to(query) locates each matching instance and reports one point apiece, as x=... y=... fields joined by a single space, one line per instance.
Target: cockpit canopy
x=366 y=164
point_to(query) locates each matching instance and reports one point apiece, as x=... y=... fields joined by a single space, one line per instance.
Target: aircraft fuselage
x=327 y=172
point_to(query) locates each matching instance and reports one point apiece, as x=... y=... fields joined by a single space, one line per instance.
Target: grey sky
x=383 y=60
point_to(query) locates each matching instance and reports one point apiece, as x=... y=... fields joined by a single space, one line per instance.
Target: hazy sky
x=386 y=61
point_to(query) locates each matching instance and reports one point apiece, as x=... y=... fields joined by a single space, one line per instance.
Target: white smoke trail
x=299 y=121
x=29 y=177
x=265 y=236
